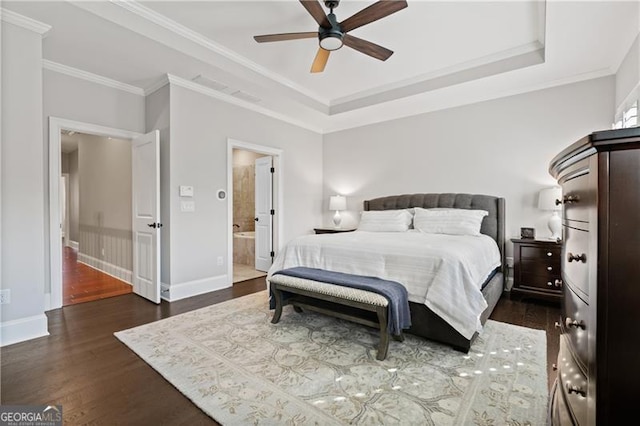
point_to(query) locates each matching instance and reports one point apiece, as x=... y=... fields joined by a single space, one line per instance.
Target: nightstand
x=536 y=266
x=331 y=230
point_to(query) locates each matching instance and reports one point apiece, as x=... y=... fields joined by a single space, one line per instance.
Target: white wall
x=23 y=184
x=628 y=77
x=500 y=147
x=200 y=127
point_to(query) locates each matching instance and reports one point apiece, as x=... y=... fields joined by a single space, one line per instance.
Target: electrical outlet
x=5 y=297
x=510 y=262
x=220 y=260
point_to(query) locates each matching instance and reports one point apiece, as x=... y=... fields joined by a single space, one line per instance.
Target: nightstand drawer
x=540 y=267
x=548 y=283
x=529 y=252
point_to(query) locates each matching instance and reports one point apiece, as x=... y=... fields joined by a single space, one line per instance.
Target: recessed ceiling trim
x=193 y=36
x=88 y=76
x=188 y=84
x=507 y=60
x=25 y=22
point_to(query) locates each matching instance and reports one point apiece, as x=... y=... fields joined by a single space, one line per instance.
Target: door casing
x=278 y=195
x=53 y=299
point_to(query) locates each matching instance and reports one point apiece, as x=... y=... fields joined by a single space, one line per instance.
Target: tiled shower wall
x=244 y=197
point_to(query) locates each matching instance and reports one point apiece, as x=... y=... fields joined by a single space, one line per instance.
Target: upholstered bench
x=360 y=306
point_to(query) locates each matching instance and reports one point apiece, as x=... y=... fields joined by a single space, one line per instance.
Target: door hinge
x=273 y=170
x=273 y=254
x=273 y=212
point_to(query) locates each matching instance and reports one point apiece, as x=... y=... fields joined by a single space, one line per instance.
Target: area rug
x=313 y=369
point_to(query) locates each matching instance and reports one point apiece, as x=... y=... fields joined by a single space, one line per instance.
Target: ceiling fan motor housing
x=331 y=38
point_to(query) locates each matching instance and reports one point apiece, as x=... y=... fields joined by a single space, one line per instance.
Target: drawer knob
x=575 y=389
x=558 y=283
x=574 y=323
x=570 y=199
x=554 y=367
x=549 y=268
x=549 y=254
x=556 y=324
x=549 y=283
x=577 y=257
x=558 y=202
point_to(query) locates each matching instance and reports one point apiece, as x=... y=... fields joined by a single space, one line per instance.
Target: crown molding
x=94 y=78
x=195 y=37
x=188 y=84
x=22 y=21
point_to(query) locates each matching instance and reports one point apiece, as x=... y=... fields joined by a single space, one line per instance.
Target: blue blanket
x=396 y=293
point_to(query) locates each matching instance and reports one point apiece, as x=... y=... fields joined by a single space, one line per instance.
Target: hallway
x=81 y=283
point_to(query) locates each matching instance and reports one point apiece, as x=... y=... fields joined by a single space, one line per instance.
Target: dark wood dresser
x=599 y=357
x=536 y=268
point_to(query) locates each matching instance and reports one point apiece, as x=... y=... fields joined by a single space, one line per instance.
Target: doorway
x=254 y=208
x=96 y=221
x=99 y=244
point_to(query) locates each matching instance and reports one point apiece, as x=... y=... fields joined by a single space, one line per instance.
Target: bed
x=435 y=315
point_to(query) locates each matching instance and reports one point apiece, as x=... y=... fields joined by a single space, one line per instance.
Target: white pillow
x=449 y=221
x=385 y=220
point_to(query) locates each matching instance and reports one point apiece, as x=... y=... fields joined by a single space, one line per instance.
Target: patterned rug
x=312 y=369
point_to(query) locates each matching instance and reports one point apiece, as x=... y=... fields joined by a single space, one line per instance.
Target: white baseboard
x=74 y=245
x=106 y=267
x=173 y=292
x=20 y=330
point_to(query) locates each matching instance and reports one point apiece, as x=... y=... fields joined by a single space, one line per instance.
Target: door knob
x=256 y=219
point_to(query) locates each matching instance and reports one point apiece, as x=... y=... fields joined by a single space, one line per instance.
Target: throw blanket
x=396 y=293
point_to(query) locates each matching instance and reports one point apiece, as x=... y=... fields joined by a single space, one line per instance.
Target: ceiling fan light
x=331 y=41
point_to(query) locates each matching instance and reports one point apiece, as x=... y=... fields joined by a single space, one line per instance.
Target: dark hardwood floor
x=82 y=283
x=98 y=380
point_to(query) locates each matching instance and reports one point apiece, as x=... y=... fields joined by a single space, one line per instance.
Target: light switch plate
x=186 y=191
x=188 y=206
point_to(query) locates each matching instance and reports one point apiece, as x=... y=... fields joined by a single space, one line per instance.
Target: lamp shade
x=547 y=198
x=337 y=202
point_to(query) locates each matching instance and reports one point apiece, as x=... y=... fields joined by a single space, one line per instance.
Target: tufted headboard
x=493 y=225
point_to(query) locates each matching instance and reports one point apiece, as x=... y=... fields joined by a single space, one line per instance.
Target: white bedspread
x=444 y=272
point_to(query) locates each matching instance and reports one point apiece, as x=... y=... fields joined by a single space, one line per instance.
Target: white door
x=145 y=161
x=264 y=213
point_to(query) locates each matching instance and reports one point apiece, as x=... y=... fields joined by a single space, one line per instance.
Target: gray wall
x=200 y=127
x=628 y=75
x=23 y=183
x=74 y=197
x=500 y=147
x=105 y=199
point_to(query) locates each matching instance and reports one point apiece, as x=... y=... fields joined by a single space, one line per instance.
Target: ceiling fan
x=333 y=34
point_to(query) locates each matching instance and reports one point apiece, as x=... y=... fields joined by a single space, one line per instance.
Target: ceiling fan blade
x=372 y=13
x=367 y=47
x=315 y=10
x=320 y=61
x=285 y=36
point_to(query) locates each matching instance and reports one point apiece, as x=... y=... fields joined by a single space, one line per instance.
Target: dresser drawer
x=578 y=193
x=573 y=384
x=559 y=414
x=576 y=258
x=575 y=320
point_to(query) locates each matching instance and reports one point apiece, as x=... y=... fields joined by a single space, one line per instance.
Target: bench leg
x=383 y=347
x=277 y=295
